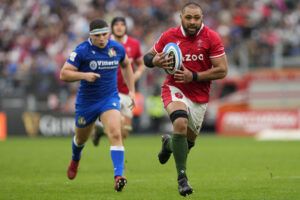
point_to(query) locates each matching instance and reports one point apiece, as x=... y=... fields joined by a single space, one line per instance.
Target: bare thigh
x=82 y=134
x=111 y=121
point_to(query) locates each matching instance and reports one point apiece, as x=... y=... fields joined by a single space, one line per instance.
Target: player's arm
x=127 y=74
x=218 y=71
x=70 y=73
x=153 y=59
x=139 y=63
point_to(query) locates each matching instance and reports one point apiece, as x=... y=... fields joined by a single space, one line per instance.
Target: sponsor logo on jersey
x=193 y=57
x=104 y=64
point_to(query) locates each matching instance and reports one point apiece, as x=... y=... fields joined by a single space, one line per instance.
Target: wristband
x=148 y=58
x=195 y=76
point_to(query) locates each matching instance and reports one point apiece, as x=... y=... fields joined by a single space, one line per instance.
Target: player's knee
x=115 y=136
x=180 y=125
x=179 y=119
x=80 y=140
x=114 y=133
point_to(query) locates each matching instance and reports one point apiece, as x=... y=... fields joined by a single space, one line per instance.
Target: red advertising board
x=249 y=122
x=3 y=127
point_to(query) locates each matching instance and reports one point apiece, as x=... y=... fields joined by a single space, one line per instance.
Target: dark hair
x=98 y=23
x=115 y=20
x=190 y=4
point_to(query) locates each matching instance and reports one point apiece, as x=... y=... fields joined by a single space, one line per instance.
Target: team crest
x=81 y=121
x=199 y=43
x=178 y=95
x=112 y=52
x=93 y=65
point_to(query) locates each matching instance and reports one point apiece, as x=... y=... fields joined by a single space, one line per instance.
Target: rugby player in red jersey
x=186 y=93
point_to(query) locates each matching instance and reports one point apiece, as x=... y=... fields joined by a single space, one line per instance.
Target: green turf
x=219 y=168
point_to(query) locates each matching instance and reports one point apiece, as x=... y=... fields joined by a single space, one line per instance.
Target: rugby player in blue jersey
x=95 y=64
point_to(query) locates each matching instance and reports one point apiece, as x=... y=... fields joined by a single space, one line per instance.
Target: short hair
x=98 y=24
x=191 y=4
x=117 y=19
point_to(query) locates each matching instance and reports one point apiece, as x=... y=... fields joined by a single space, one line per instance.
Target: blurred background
x=260 y=96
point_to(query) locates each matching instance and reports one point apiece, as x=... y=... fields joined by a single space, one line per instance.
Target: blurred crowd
x=36 y=37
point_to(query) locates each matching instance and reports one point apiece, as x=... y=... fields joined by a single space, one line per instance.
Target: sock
x=180 y=151
x=190 y=144
x=76 y=150
x=117 y=156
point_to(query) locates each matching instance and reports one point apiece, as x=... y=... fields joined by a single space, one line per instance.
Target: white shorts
x=125 y=102
x=196 y=111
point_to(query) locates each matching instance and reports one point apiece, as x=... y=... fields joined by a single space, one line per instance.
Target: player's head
x=191 y=18
x=118 y=26
x=99 y=32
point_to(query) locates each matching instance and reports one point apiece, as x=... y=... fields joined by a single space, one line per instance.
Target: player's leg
x=178 y=144
x=126 y=112
x=196 y=116
x=126 y=125
x=78 y=141
x=191 y=138
x=98 y=133
x=166 y=151
x=177 y=107
x=111 y=120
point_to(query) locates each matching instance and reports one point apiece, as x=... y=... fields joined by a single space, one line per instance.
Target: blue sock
x=76 y=150
x=117 y=156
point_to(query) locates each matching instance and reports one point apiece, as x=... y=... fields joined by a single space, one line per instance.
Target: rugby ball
x=172 y=49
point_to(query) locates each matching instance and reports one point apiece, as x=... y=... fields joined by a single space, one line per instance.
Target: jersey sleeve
x=217 y=47
x=122 y=53
x=161 y=42
x=75 y=58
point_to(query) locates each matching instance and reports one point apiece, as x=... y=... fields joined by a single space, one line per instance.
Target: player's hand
x=91 y=76
x=163 y=61
x=132 y=97
x=183 y=75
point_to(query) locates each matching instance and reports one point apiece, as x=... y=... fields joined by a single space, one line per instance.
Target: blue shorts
x=86 y=114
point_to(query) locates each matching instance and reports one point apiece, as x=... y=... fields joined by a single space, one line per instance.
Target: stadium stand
x=37 y=36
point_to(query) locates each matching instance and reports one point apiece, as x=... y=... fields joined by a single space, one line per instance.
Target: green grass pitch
x=219 y=169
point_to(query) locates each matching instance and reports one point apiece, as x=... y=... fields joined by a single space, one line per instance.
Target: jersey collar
x=90 y=42
x=183 y=32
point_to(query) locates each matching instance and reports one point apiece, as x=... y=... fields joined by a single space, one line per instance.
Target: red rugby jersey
x=196 y=52
x=133 y=51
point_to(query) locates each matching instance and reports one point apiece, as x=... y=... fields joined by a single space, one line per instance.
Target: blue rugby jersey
x=90 y=58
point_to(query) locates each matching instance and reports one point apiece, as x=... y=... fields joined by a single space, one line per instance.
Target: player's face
x=119 y=29
x=100 y=39
x=191 y=20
